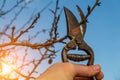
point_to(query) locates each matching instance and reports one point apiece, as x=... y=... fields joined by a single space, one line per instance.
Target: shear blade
x=81 y=13
x=83 y=19
x=72 y=23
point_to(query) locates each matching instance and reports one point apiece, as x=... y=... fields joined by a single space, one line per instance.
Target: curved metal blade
x=72 y=24
x=81 y=13
x=83 y=19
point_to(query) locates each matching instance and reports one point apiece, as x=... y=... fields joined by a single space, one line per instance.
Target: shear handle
x=84 y=46
x=78 y=57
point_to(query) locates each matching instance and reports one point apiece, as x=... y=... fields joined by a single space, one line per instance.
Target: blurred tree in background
x=27 y=39
x=21 y=48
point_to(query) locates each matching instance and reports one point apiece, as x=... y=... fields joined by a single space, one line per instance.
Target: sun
x=6 y=69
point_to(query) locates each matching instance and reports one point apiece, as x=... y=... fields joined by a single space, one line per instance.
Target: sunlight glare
x=6 y=69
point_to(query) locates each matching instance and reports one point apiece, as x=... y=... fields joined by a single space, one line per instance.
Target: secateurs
x=76 y=31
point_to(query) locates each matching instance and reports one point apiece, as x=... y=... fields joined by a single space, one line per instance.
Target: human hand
x=70 y=71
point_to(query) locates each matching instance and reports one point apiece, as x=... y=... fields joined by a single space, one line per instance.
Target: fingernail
x=96 y=67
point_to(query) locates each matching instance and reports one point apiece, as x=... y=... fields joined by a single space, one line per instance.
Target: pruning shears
x=76 y=31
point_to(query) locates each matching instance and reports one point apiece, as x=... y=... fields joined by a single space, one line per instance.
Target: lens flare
x=6 y=69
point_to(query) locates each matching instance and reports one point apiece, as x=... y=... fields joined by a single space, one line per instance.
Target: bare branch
x=97 y=3
x=53 y=33
x=2 y=6
x=30 y=27
x=11 y=9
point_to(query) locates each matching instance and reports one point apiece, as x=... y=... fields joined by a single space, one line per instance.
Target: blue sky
x=102 y=33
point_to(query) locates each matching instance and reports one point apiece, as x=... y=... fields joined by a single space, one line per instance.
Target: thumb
x=87 y=71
